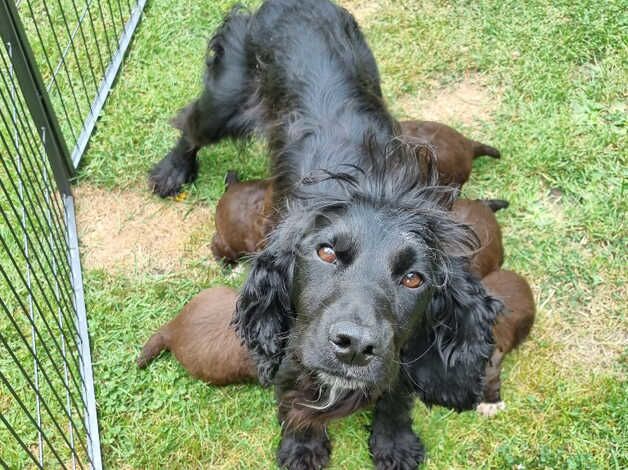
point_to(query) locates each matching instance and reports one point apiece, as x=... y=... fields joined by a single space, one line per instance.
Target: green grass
x=559 y=72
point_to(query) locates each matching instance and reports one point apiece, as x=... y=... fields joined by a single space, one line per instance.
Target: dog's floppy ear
x=264 y=316
x=447 y=355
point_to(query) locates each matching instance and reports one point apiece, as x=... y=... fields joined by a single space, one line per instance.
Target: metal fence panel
x=58 y=60
x=44 y=405
x=79 y=46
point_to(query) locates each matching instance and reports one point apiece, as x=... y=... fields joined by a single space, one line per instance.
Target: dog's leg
x=393 y=444
x=304 y=449
x=219 y=112
x=176 y=169
x=492 y=403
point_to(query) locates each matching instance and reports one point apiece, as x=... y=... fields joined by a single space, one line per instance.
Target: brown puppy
x=203 y=341
x=479 y=215
x=454 y=152
x=511 y=328
x=242 y=218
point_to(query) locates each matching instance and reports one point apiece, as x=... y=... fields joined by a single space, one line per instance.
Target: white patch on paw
x=490 y=409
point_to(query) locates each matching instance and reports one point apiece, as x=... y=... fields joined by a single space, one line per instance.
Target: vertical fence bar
x=79 y=299
x=47 y=196
x=16 y=137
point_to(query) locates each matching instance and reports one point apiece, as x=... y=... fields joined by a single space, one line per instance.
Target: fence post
x=35 y=95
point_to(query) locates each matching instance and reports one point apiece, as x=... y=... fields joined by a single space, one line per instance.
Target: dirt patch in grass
x=125 y=230
x=466 y=102
x=362 y=10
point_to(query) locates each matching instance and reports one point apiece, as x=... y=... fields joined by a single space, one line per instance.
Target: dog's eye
x=412 y=280
x=327 y=254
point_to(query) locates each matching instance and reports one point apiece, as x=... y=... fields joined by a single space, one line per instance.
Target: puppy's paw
x=402 y=451
x=490 y=409
x=303 y=455
x=169 y=175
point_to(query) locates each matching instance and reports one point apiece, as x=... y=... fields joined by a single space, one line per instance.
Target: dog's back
x=482 y=220
x=324 y=76
x=203 y=340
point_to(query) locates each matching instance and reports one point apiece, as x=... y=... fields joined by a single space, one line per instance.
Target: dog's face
x=362 y=281
x=354 y=284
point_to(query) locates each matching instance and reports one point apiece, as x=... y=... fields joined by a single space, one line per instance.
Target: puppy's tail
x=231 y=178
x=495 y=204
x=480 y=150
x=151 y=349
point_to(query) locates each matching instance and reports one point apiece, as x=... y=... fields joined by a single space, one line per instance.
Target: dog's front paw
x=169 y=175
x=490 y=409
x=296 y=454
x=401 y=451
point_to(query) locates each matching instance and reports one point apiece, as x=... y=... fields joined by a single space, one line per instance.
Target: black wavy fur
x=301 y=73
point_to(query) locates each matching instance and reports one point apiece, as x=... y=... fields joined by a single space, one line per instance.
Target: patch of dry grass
x=133 y=231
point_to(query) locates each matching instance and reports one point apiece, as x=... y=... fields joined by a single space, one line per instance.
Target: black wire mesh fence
x=78 y=46
x=50 y=97
x=44 y=406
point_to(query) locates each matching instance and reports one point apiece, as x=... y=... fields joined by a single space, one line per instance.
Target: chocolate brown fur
x=512 y=326
x=454 y=152
x=203 y=341
x=242 y=218
x=479 y=216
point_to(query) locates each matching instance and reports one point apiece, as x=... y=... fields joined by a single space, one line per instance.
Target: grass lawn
x=544 y=83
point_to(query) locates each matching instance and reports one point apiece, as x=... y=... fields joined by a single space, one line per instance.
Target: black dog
x=362 y=293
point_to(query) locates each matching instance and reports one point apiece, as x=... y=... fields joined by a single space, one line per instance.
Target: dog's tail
x=151 y=349
x=495 y=204
x=480 y=149
x=231 y=178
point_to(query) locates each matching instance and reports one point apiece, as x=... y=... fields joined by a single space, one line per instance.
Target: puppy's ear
x=264 y=315
x=447 y=356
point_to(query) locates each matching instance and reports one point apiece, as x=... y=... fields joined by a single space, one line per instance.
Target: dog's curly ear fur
x=264 y=315
x=447 y=356
x=263 y=311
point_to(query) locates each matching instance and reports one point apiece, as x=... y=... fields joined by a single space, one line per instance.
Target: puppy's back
x=515 y=322
x=204 y=342
x=484 y=223
x=454 y=151
x=241 y=215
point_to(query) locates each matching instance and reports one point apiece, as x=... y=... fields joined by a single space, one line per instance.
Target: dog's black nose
x=353 y=344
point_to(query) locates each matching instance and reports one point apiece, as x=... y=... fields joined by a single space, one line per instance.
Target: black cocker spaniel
x=363 y=292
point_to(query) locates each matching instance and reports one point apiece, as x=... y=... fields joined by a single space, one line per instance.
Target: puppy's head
x=346 y=281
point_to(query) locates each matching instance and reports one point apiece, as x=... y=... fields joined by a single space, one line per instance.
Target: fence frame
x=42 y=112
